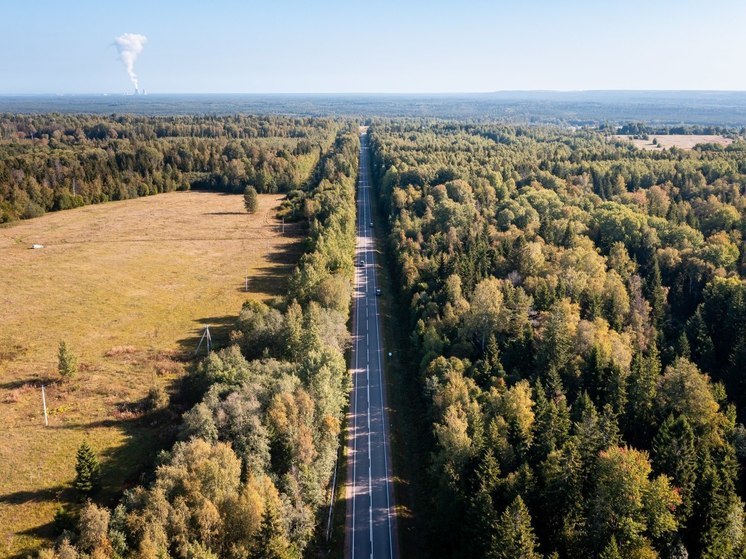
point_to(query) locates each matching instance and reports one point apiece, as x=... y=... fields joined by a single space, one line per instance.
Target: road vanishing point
x=370 y=523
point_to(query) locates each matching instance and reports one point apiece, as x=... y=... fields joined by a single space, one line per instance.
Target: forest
x=250 y=471
x=577 y=319
x=55 y=162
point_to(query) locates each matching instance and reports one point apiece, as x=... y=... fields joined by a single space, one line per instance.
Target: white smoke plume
x=130 y=45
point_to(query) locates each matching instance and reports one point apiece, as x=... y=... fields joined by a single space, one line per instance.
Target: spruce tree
x=552 y=416
x=67 y=364
x=674 y=454
x=702 y=348
x=481 y=514
x=656 y=293
x=87 y=471
x=271 y=542
x=611 y=551
x=514 y=537
x=642 y=389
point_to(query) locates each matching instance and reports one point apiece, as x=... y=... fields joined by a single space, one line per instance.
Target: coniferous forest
x=577 y=317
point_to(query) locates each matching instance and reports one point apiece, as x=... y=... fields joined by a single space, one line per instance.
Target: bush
x=250 y=199
x=93 y=526
x=157 y=399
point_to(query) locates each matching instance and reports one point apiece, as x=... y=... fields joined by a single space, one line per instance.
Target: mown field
x=683 y=141
x=129 y=285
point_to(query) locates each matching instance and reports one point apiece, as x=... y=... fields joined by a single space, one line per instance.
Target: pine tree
x=590 y=436
x=642 y=389
x=682 y=346
x=250 y=199
x=552 y=425
x=492 y=361
x=271 y=542
x=656 y=293
x=720 y=511
x=611 y=551
x=674 y=454
x=481 y=514
x=87 y=471
x=514 y=537
x=702 y=348
x=563 y=499
x=67 y=363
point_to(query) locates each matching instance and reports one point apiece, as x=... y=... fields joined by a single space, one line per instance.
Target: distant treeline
x=577 y=311
x=580 y=108
x=56 y=162
x=249 y=476
x=642 y=128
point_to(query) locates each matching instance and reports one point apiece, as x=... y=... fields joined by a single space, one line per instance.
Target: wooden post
x=44 y=403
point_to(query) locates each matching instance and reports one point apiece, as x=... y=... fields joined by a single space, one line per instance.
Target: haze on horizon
x=290 y=46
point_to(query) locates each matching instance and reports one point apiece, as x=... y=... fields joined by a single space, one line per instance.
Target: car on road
x=378 y=292
x=371 y=225
x=361 y=262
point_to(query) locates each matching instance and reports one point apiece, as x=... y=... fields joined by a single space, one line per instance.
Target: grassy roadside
x=335 y=546
x=409 y=432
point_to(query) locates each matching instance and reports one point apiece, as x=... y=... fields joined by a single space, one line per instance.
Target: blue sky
x=66 y=46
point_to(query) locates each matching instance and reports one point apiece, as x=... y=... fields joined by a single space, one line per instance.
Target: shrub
x=250 y=200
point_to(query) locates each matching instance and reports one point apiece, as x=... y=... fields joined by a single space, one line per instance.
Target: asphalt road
x=371 y=524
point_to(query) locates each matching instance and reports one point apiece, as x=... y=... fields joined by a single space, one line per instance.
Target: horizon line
x=317 y=93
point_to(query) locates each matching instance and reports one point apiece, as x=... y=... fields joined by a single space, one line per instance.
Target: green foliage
x=250 y=200
x=157 y=399
x=587 y=268
x=514 y=537
x=250 y=471
x=67 y=363
x=87 y=471
x=271 y=542
x=93 y=527
x=57 y=162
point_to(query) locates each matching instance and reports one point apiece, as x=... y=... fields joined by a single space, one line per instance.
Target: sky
x=386 y=46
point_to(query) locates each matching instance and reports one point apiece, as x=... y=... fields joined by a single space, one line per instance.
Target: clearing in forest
x=683 y=141
x=128 y=285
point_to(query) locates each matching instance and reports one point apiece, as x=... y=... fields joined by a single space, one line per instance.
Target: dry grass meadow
x=129 y=286
x=683 y=141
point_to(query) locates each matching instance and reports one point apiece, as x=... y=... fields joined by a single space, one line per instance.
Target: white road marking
x=364 y=277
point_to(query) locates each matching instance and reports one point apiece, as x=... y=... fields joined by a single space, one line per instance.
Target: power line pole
x=246 y=281
x=205 y=338
x=44 y=403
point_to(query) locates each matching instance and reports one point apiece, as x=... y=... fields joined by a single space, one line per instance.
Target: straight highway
x=371 y=524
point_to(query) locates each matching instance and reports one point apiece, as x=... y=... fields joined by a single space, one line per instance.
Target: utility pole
x=44 y=403
x=246 y=281
x=205 y=338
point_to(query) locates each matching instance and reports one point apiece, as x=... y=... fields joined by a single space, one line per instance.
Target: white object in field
x=37 y=246
x=205 y=338
x=44 y=403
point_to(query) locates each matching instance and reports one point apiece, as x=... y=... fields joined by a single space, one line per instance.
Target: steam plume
x=129 y=46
